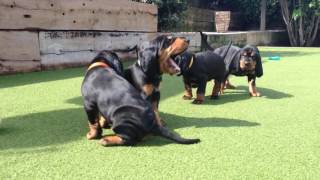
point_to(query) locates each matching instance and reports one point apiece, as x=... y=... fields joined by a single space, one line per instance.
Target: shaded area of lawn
x=63 y=126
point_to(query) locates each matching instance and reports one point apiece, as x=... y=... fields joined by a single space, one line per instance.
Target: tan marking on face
x=111 y=140
x=148 y=89
x=251 y=66
x=178 y=46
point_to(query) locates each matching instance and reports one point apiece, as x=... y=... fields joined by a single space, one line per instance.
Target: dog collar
x=98 y=64
x=191 y=62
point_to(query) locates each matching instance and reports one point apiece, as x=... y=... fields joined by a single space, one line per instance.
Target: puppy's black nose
x=188 y=41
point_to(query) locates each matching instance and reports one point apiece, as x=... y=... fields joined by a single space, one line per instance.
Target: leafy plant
x=170 y=12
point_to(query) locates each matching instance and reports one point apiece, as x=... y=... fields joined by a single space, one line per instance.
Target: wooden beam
x=110 y=15
x=19 y=45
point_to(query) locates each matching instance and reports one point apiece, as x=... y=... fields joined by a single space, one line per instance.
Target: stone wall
x=261 y=38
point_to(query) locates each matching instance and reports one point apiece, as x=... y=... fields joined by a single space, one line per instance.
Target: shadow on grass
x=42 y=129
x=242 y=93
x=7 y=81
x=63 y=126
x=21 y=79
x=177 y=122
x=267 y=93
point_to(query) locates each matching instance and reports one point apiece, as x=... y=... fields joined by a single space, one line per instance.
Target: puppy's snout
x=188 y=41
x=177 y=70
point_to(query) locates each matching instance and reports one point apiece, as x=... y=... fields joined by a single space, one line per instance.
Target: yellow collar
x=96 y=64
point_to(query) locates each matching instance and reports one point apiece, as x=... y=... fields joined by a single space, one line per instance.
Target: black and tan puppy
x=197 y=69
x=131 y=117
x=154 y=59
x=244 y=61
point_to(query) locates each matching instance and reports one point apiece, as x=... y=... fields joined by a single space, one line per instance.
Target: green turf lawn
x=277 y=136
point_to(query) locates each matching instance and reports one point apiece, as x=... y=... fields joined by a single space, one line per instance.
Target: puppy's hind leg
x=95 y=130
x=216 y=89
x=111 y=141
x=200 y=92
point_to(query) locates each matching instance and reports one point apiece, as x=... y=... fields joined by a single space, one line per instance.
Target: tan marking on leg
x=104 y=123
x=187 y=94
x=253 y=90
x=215 y=90
x=148 y=89
x=111 y=140
x=199 y=99
x=228 y=85
x=95 y=131
x=222 y=88
x=159 y=121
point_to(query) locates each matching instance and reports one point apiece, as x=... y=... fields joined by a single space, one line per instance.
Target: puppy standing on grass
x=154 y=59
x=131 y=117
x=197 y=69
x=244 y=61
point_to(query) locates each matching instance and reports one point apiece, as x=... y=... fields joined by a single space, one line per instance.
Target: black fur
x=105 y=91
x=206 y=66
x=232 y=61
x=146 y=70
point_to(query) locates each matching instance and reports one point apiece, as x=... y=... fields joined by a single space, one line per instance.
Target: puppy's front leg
x=188 y=90
x=201 y=91
x=252 y=87
x=216 y=89
x=155 y=99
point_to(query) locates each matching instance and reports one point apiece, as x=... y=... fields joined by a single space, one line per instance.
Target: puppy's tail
x=226 y=51
x=168 y=134
x=134 y=48
x=204 y=42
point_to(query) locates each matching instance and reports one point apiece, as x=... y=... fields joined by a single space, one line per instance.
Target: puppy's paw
x=111 y=141
x=94 y=135
x=185 y=97
x=257 y=94
x=197 y=101
x=214 y=97
x=229 y=86
x=104 y=142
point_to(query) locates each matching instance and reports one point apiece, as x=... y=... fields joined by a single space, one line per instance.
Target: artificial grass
x=43 y=127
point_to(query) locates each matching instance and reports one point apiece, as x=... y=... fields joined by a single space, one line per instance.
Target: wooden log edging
x=25 y=51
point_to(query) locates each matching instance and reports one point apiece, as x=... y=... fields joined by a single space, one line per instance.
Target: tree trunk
x=315 y=32
x=287 y=20
x=299 y=33
x=263 y=8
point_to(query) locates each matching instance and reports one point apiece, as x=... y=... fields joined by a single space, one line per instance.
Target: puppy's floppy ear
x=118 y=65
x=259 y=70
x=147 y=57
